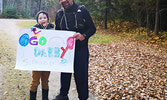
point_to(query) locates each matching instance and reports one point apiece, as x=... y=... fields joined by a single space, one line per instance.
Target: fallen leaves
x=127 y=70
x=15 y=83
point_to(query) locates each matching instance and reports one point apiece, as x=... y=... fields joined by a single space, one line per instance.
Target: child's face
x=42 y=19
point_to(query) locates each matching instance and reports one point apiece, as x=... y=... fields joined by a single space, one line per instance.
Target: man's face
x=66 y=3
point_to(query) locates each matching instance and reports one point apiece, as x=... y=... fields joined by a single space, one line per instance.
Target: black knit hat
x=42 y=11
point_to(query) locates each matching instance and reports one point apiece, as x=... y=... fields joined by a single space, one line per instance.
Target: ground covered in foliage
x=14 y=83
x=128 y=70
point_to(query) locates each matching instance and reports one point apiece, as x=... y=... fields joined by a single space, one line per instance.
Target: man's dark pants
x=80 y=74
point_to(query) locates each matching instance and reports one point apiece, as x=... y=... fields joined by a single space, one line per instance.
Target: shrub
x=10 y=12
x=25 y=13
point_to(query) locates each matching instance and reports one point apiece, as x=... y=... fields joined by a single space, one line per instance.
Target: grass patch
x=103 y=37
x=26 y=24
x=134 y=36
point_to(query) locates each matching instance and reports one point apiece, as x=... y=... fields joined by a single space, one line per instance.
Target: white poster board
x=45 y=50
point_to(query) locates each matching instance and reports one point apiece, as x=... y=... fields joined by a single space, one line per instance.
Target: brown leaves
x=127 y=70
x=15 y=83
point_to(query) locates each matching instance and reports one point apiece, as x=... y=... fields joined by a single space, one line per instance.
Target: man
x=73 y=17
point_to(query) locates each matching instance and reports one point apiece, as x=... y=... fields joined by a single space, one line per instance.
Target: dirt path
x=0 y=82
x=4 y=28
x=9 y=26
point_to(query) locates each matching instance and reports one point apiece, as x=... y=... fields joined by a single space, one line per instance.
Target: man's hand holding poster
x=45 y=50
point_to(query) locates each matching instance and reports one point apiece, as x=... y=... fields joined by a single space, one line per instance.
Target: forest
x=151 y=14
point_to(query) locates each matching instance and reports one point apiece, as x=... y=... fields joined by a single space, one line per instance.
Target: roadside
x=0 y=81
x=13 y=81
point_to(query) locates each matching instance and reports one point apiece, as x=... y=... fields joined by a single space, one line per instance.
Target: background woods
x=146 y=13
x=28 y=8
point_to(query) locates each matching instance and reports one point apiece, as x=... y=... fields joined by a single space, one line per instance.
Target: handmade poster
x=45 y=50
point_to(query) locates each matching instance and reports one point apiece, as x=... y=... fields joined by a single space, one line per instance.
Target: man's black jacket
x=40 y=26
x=76 y=18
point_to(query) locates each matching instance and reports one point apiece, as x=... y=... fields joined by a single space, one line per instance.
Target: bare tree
x=39 y=5
x=156 y=29
x=1 y=6
x=11 y=3
x=106 y=15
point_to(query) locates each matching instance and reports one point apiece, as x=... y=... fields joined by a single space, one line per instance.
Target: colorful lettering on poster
x=70 y=45
x=34 y=29
x=50 y=52
x=24 y=40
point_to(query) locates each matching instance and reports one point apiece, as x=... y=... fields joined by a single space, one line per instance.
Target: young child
x=42 y=23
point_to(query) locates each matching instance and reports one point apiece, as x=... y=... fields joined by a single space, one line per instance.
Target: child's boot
x=45 y=94
x=33 y=95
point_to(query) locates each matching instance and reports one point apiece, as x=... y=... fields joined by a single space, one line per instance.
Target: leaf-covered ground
x=128 y=70
x=14 y=83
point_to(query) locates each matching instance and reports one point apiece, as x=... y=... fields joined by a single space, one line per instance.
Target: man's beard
x=66 y=5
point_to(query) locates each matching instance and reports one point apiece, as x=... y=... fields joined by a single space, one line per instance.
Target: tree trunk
x=138 y=20
x=156 y=29
x=1 y=6
x=39 y=5
x=11 y=3
x=148 y=26
x=106 y=14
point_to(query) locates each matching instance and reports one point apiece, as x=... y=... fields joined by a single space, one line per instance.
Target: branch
x=162 y=10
